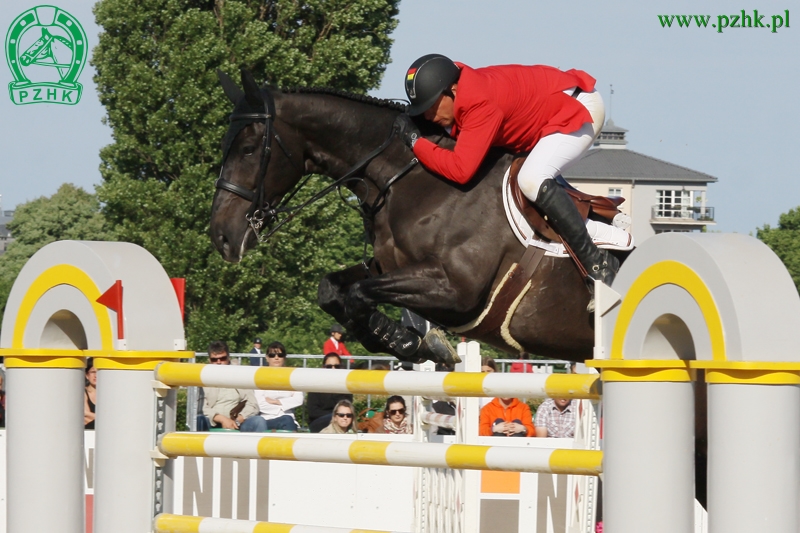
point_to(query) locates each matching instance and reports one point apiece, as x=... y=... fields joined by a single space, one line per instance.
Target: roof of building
x=604 y=164
x=611 y=160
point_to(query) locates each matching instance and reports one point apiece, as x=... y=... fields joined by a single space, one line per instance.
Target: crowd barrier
x=684 y=306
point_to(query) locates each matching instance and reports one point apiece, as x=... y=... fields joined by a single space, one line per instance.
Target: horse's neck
x=338 y=133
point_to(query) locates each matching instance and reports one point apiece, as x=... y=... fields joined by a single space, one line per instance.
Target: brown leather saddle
x=596 y=207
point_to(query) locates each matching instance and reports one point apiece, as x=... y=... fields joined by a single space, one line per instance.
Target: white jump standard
x=691 y=302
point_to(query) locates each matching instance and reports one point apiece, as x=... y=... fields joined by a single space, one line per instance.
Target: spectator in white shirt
x=277 y=407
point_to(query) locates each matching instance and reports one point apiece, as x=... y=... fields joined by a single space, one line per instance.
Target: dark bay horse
x=439 y=248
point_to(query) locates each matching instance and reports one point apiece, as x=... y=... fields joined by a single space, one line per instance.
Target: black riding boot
x=565 y=218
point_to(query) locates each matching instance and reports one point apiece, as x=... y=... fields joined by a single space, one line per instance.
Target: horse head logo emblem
x=46 y=50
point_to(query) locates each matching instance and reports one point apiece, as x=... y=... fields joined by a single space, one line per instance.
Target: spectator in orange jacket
x=506 y=417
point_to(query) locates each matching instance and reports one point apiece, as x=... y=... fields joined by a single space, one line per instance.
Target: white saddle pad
x=604 y=235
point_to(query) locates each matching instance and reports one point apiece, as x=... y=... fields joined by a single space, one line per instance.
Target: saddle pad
x=608 y=237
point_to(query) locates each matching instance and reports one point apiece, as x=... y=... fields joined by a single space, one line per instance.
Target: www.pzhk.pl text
x=739 y=20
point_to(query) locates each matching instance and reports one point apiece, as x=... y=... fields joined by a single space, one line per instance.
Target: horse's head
x=259 y=166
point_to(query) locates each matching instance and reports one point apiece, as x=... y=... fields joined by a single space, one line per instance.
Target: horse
x=439 y=249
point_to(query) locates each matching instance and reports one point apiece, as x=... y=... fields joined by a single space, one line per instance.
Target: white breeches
x=554 y=153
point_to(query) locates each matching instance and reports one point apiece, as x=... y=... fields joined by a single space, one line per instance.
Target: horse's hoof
x=436 y=348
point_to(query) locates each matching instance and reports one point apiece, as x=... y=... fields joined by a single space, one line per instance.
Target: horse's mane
x=362 y=98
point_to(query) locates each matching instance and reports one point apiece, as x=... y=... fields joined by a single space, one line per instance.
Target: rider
x=554 y=115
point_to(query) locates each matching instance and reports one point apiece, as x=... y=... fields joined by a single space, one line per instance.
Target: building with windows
x=659 y=196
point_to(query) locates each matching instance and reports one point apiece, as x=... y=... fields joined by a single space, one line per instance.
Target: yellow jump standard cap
x=644 y=370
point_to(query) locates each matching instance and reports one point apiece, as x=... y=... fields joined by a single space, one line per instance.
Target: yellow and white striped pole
x=454 y=384
x=170 y=523
x=349 y=451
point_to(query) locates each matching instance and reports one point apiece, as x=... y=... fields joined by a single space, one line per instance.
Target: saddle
x=599 y=208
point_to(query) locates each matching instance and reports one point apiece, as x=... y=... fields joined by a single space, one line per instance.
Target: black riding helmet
x=427 y=78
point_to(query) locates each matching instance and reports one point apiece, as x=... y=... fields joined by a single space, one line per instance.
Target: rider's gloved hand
x=407 y=130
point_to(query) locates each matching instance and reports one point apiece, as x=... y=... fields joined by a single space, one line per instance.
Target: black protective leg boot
x=564 y=217
x=400 y=341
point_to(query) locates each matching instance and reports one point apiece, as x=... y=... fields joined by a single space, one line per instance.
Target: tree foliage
x=156 y=63
x=71 y=213
x=785 y=241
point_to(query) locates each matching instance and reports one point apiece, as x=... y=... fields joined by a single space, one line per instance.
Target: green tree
x=785 y=241
x=71 y=213
x=156 y=62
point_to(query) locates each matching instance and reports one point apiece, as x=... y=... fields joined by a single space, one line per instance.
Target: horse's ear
x=251 y=91
x=232 y=91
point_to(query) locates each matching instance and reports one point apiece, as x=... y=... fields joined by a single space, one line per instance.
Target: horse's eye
x=249 y=150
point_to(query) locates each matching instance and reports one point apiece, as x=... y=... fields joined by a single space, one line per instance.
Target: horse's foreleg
x=331 y=295
x=419 y=287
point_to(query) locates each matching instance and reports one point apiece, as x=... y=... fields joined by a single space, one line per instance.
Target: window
x=614 y=191
x=674 y=204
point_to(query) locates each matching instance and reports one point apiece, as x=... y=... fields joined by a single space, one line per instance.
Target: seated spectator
x=556 y=418
x=518 y=367
x=90 y=394
x=343 y=419
x=487 y=366
x=394 y=416
x=319 y=405
x=506 y=417
x=277 y=406
x=228 y=408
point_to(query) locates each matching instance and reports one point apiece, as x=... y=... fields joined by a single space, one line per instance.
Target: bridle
x=261 y=213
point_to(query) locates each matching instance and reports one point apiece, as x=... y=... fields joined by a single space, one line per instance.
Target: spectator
x=506 y=417
x=394 y=416
x=257 y=360
x=277 y=406
x=487 y=366
x=343 y=418
x=518 y=367
x=90 y=394
x=319 y=405
x=556 y=418
x=334 y=343
x=228 y=408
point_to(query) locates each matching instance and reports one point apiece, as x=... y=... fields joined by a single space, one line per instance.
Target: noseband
x=261 y=213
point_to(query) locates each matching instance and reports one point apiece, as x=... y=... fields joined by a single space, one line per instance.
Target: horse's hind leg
x=331 y=295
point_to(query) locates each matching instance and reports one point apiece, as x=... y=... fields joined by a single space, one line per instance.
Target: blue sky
x=721 y=103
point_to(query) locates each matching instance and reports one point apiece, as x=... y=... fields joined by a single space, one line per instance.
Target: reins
x=261 y=213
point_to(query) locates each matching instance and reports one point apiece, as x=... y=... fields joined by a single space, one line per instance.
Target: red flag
x=179 y=284
x=112 y=299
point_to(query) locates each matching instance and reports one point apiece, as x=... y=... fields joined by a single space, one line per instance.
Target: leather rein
x=261 y=213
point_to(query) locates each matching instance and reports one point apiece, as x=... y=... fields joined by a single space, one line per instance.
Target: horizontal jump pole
x=422 y=454
x=452 y=384
x=171 y=523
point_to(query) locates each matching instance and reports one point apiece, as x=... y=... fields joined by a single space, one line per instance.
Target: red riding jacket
x=508 y=106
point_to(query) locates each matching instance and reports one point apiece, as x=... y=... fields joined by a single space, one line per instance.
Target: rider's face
x=442 y=112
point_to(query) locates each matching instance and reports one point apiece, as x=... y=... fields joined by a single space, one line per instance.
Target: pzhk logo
x=46 y=50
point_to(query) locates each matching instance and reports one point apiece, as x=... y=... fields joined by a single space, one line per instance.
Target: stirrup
x=604 y=272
